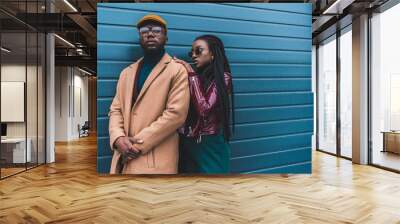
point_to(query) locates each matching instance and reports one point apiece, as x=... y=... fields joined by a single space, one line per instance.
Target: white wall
x=82 y=83
x=16 y=73
x=70 y=83
x=61 y=103
x=34 y=125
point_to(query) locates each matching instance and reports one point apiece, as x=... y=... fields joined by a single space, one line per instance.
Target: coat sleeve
x=116 y=119
x=173 y=116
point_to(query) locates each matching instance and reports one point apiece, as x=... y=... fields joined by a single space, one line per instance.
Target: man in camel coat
x=150 y=104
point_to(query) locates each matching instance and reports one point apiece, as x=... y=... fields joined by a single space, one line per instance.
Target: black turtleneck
x=150 y=60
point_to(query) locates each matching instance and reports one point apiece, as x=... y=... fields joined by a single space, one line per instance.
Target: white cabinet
x=17 y=145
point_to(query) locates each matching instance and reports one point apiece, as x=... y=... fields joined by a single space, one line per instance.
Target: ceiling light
x=5 y=50
x=86 y=72
x=70 y=5
x=338 y=6
x=65 y=41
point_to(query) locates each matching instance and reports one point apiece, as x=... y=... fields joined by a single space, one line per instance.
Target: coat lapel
x=157 y=70
x=131 y=84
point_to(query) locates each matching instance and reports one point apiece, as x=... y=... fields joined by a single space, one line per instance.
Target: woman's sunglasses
x=197 y=51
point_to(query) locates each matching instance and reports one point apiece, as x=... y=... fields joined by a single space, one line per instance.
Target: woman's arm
x=204 y=101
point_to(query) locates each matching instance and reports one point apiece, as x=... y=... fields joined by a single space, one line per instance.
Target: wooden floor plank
x=70 y=191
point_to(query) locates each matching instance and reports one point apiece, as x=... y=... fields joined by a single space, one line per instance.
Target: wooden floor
x=8 y=171
x=5 y=172
x=70 y=191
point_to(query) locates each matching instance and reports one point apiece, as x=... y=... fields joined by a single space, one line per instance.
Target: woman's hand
x=185 y=64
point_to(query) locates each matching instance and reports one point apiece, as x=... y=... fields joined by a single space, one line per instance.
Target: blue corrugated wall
x=269 y=48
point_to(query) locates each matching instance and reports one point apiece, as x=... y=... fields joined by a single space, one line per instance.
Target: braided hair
x=217 y=67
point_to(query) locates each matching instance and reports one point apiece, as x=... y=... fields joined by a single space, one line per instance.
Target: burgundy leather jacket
x=203 y=117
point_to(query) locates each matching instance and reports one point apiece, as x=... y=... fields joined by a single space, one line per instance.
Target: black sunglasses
x=197 y=51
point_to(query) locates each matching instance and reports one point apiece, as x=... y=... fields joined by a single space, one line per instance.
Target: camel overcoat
x=154 y=116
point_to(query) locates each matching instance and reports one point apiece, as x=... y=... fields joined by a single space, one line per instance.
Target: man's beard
x=153 y=51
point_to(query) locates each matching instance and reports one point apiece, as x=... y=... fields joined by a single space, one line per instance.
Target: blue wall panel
x=269 y=49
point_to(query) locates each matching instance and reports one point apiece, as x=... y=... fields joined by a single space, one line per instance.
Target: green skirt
x=209 y=156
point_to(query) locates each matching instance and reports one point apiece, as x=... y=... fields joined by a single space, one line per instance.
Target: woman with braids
x=204 y=138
